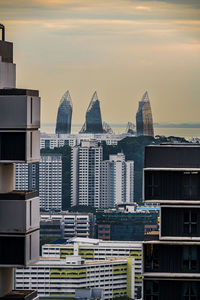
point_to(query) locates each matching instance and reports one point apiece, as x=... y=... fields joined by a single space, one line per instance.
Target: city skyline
x=120 y=48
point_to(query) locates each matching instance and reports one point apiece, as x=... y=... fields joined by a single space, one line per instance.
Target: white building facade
x=85 y=174
x=94 y=249
x=50 y=182
x=62 y=277
x=72 y=224
x=117 y=181
x=45 y=176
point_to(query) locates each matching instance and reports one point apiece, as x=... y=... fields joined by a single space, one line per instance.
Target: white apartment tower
x=117 y=181
x=85 y=174
x=50 y=182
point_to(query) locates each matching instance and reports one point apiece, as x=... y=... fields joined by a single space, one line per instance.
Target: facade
x=117 y=181
x=45 y=177
x=64 y=116
x=93 y=121
x=62 y=277
x=144 y=119
x=50 y=182
x=85 y=174
x=27 y=176
x=54 y=140
x=123 y=226
x=94 y=249
x=70 y=224
x=19 y=142
x=171 y=263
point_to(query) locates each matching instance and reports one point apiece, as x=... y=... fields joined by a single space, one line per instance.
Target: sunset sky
x=118 y=47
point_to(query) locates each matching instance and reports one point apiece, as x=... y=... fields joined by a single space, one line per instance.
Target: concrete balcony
x=20 y=109
x=19 y=146
x=19 y=212
x=19 y=250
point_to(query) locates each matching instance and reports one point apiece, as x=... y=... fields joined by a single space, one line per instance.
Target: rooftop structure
x=144 y=119
x=64 y=116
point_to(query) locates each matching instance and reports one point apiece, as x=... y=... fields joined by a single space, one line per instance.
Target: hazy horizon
x=121 y=48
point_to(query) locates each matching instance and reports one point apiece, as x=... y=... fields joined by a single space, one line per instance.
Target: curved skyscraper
x=64 y=116
x=93 y=121
x=144 y=119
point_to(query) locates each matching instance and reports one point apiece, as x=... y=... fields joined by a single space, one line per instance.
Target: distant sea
x=179 y=130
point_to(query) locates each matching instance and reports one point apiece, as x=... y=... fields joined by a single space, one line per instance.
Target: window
x=153 y=184
x=190 y=293
x=191 y=185
x=151 y=290
x=189 y=258
x=151 y=258
x=190 y=222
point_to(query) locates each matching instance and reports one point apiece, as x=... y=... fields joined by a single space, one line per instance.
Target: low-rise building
x=71 y=224
x=94 y=249
x=55 y=277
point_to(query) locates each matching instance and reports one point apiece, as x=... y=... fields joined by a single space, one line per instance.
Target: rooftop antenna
x=2 y=27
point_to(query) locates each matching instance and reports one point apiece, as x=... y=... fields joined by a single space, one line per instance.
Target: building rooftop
x=19 y=92
x=54 y=261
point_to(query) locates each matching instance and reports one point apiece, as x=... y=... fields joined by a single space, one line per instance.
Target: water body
x=120 y=128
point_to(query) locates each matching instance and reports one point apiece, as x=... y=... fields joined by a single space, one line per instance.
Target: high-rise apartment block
x=86 y=172
x=172 y=262
x=117 y=181
x=98 y=183
x=144 y=119
x=19 y=142
x=45 y=177
x=50 y=182
x=64 y=116
x=27 y=176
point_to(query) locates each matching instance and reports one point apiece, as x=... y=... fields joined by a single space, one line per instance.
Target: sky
x=120 y=48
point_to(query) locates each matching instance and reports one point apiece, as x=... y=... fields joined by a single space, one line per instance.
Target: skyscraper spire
x=144 y=119
x=64 y=116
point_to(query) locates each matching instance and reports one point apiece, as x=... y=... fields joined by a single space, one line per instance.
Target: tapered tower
x=144 y=119
x=93 y=121
x=64 y=116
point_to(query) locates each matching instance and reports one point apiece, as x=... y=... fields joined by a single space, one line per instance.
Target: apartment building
x=50 y=182
x=44 y=176
x=117 y=181
x=55 y=277
x=85 y=174
x=71 y=224
x=94 y=249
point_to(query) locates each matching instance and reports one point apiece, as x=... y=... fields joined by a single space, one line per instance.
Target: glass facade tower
x=93 y=121
x=144 y=119
x=64 y=116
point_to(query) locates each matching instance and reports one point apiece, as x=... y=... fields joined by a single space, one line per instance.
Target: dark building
x=172 y=262
x=120 y=226
x=144 y=119
x=93 y=121
x=64 y=116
